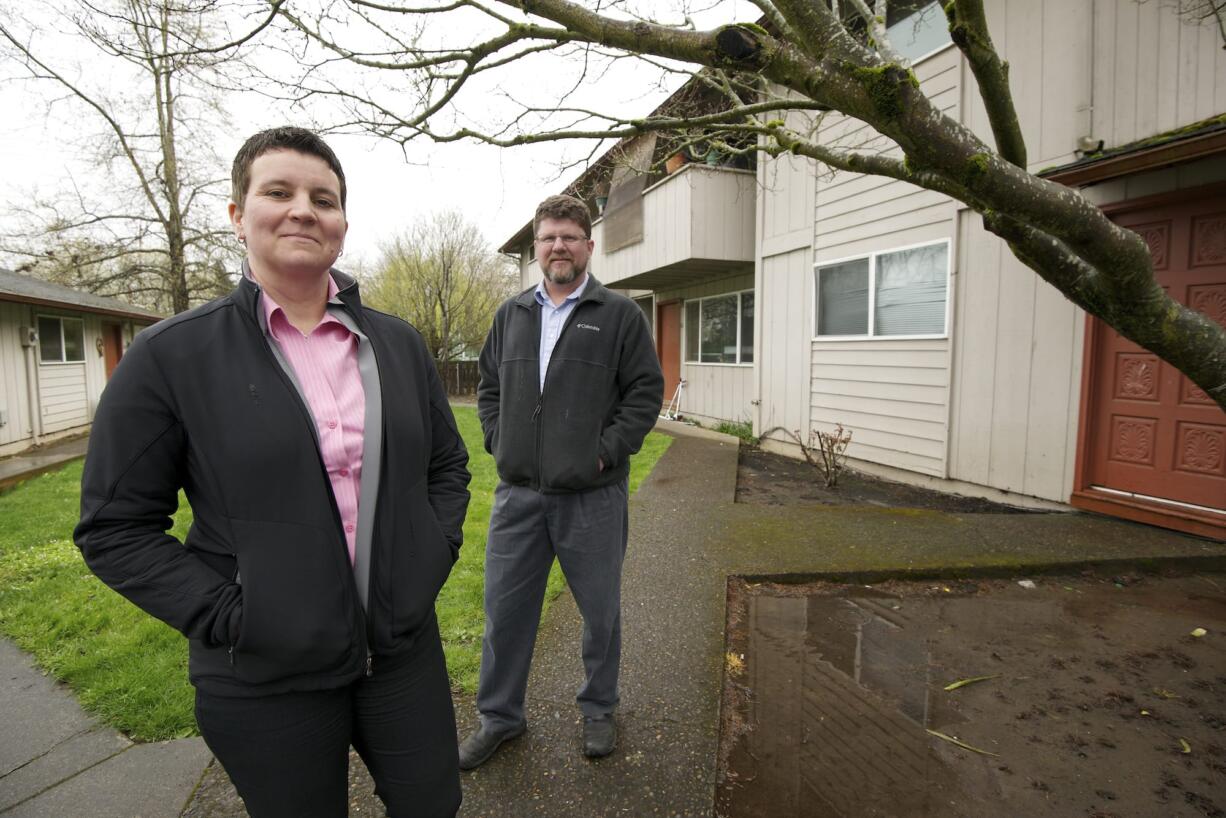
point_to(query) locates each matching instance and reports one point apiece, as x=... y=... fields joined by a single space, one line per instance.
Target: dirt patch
x=1100 y=702
x=766 y=478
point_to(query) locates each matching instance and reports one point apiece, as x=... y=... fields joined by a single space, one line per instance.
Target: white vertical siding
x=529 y=270
x=1047 y=44
x=1016 y=373
x=715 y=392
x=62 y=393
x=786 y=194
x=14 y=393
x=721 y=214
x=1154 y=71
x=786 y=203
x=95 y=362
x=784 y=332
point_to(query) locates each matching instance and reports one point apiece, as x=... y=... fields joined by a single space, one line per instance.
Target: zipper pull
x=369 y=661
x=536 y=412
x=231 y=652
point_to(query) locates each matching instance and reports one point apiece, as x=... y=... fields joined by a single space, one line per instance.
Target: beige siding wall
x=14 y=395
x=1016 y=356
x=1153 y=71
x=1048 y=46
x=529 y=270
x=787 y=190
x=1115 y=70
x=67 y=394
x=787 y=194
x=63 y=396
x=1017 y=372
x=715 y=392
x=785 y=322
x=857 y=213
x=696 y=213
x=1017 y=341
x=892 y=395
x=997 y=404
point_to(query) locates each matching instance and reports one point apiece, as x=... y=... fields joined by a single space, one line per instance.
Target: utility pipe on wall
x=36 y=416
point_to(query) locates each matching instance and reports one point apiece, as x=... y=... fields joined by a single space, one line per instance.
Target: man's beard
x=565 y=276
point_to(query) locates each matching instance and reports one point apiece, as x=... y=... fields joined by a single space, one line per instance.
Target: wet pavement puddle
x=830 y=697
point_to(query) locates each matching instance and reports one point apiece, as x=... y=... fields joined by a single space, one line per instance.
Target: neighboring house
x=801 y=298
x=58 y=347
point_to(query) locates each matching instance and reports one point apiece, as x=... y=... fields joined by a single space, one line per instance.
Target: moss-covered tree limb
x=968 y=28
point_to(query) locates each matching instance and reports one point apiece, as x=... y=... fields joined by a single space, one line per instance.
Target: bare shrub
x=825 y=451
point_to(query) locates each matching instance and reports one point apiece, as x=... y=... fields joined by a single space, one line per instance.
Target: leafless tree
x=149 y=223
x=442 y=278
x=778 y=77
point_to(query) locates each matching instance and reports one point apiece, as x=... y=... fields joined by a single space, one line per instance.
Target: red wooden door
x=112 y=346
x=668 y=346
x=1152 y=433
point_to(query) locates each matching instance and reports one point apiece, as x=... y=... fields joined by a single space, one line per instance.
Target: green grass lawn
x=130 y=669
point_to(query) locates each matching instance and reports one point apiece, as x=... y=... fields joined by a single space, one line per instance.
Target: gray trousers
x=587 y=533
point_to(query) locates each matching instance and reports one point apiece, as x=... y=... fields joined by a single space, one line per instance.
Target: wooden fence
x=460 y=377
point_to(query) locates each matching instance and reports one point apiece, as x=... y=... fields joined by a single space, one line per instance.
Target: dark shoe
x=599 y=735
x=482 y=743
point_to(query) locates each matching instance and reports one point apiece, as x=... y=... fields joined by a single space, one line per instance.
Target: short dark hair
x=285 y=138
x=562 y=206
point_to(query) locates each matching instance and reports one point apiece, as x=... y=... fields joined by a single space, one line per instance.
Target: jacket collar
x=247 y=293
x=593 y=291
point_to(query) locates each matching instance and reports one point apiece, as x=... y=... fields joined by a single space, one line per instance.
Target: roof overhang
x=1146 y=155
x=680 y=274
x=515 y=245
x=67 y=305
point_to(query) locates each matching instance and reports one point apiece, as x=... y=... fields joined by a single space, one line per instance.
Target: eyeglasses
x=569 y=241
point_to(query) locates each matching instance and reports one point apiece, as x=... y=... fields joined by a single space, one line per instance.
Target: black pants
x=288 y=754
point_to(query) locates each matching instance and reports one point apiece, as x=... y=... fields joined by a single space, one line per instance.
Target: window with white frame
x=719 y=329
x=61 y=340
x=901 y=292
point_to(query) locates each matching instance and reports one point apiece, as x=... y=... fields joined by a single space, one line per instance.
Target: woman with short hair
x=328 y=483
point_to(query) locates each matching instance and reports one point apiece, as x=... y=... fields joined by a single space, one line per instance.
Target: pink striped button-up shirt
x=325 y=362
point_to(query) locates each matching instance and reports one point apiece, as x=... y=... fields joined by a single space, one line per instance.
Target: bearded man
x=570 y=386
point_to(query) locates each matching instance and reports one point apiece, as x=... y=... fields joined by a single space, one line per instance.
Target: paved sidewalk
x=56 y=761
x=19 y=467
x=686 y=537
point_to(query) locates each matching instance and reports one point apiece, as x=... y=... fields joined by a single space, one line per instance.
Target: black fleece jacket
x=262 y=584
x=603 y=392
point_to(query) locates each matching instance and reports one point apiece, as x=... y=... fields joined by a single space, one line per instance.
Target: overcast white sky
x=496 y=188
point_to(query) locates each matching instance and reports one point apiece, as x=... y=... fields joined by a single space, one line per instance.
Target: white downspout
x=32 y=388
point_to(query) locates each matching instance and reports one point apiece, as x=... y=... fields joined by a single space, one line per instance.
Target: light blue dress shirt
x=553 y=320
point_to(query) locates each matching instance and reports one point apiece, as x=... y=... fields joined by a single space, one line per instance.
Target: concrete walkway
x=56 y=761
x=20 y=467
x=687 y=536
